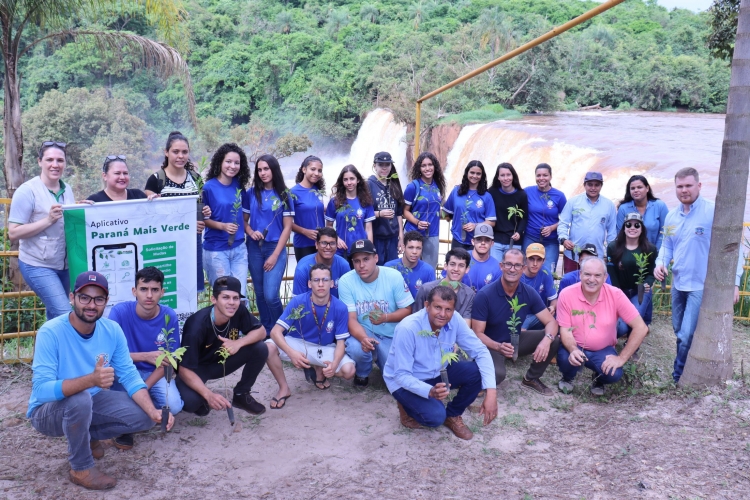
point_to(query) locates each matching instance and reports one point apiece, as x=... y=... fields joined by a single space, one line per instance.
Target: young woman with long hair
x=271 y=211
x=511 y=208
x=469 y=204
x=308 y=193
x=545 y=205
x=388 y=204
x=640 y=199
x=423 y=198
x=350 y=209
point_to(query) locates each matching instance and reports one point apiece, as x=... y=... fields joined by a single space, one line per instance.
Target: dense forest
x=268 y=67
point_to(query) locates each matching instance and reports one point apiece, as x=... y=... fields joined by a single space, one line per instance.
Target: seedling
x=641 y=260
x=465 y=217
x=453 y=284
x=224 y=354
x=667 y=231
x=578 y=312
x=578 y=211
x=276 y=204
x=321 y=195
x=513 y=325
x=431 y=189
x=349 y=216
x=518 y=214
x=236 y=206
x=172 y=357
x=448 y=357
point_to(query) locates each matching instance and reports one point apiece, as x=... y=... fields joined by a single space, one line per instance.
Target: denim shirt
x=584 y=222
x=653 y=219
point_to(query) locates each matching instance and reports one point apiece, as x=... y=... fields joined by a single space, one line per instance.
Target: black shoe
x=248 y=403
x=124 y=442
x=203 y=410
x=361 y=382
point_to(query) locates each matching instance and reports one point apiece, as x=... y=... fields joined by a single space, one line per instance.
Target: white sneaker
x=565 y=386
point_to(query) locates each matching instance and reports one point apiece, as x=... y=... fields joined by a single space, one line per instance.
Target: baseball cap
x=535 y=249
x=593 y=176
x=484 y=229
x=383 y=157
x=361 y=246
x=232 y=284
x=590 y=249
x=91 y=278
x=633 y=216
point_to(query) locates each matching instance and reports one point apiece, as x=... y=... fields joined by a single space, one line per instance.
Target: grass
x=514 y=420
x=485 y=114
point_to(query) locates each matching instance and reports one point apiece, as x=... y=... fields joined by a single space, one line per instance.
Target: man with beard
x=76 y=356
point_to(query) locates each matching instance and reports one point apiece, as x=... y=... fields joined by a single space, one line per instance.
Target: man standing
x=225 y=324
x=377 y=299
x=147 y=326
x=494 y=310
x=588 y=314
x=414 y=271
x=540 y=279
x=456 y=264
x=325 y=246
x=571 y=278
x=484 y=268
x=76 y=356
x=687 y=240
x=422 y=346
x=587 y=217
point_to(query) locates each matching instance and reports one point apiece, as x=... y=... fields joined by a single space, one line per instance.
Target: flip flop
x=280 y=401
x=322 y=383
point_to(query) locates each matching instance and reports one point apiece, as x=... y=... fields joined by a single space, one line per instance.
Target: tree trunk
x=710 y=359
x=13 y=134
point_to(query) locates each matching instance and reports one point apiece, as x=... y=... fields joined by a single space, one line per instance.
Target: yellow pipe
x=510 y=55
x=417 y=129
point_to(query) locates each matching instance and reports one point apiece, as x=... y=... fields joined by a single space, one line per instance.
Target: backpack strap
x=161 y=178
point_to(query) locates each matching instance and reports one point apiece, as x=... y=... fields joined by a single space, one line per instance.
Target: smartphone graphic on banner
x=118 y=264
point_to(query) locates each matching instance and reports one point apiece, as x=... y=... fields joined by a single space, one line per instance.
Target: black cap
x=383 y=157
x=589 y=248
x=361 y=246
x=593 y=176
x=91 y=278
x=232 y=284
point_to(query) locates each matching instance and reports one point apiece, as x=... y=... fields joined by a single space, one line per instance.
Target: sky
x=694 y=5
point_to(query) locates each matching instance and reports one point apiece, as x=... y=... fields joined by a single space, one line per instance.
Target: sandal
x=280 y=402
x=322 y=383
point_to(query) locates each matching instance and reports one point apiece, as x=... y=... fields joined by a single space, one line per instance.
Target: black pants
x=300 y=252
x=527 y=343
x=252 y=357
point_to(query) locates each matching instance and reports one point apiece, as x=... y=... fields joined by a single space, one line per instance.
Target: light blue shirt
x=653 y=219
x=688 y=245
x=582 y=221
x=416 y=357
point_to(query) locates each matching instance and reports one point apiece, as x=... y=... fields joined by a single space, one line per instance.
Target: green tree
x=337 y=19
x=369 y=12
x=724 y=15
x=418 y=12
x=284 y=20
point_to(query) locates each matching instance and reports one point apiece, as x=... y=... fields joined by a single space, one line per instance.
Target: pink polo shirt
x=594 y=325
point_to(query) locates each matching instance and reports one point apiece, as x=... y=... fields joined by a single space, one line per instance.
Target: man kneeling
x=422 y=345
x=316 y=324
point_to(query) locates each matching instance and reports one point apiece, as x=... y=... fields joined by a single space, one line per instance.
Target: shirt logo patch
x=419 y=283
x=160 y=339
x=360 y=213
x=329 y=327
x=604 y=220
x=699 y=231
x=541 y=288
x=480 y=203
x=406 y=287
x=234 y=334
x=102 y=355
x=550 y=204
x=488 y=279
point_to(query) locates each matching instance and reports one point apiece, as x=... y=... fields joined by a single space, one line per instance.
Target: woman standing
x=511 y=208
x=468 y=205
x=350 y=209
x=177 y=177
x=639 y=198
x=388 y=200
x=116 y=181
x=308 y=206
x=36 y=221
x=224 y=252
x=271 y=211
x=623 y=255
x=545 y=205
x=423 y=198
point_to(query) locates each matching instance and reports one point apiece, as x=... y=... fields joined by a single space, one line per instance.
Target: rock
x=644 y=485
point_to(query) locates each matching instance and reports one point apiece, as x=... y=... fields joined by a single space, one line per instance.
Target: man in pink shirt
x=587 y=313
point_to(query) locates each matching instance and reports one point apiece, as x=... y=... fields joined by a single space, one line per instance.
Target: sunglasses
x=115 y=157
x=636 y=225
x=48 y=144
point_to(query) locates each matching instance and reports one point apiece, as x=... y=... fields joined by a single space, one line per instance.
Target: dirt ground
x=644 y=439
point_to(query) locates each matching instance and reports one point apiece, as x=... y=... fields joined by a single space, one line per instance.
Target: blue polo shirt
x=350 y=221
x=269 y=213
x=470 y=207
x=330 y=326
x=339 y=267
x=308 y=212
x=424 y=200
x=492 y=305
x=414 y=278
x=582 y=221
x=542 y=283
x=544 y=210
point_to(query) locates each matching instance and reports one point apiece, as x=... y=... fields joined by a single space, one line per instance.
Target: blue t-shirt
x=414 y=278
x=146 y=335
x=308 y=212
x=226 y=204
x=470 y=207
x=492 y=305
x=481 y=274
x=339 y=267
x=424 y=200
x=572 y=278
x=542 y=283
x=349 y=220
x=388 y=292
x=326 y=330
x=544 y=210
x=269 y=213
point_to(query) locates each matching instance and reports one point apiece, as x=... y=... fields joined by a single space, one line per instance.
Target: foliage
x=641 y=261
x=723 y=28
x=514 y=322
x=172 y=356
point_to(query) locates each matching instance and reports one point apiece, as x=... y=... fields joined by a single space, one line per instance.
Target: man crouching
x=422 y=345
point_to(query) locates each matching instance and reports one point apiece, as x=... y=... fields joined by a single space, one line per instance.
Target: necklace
x=218 y=332
x=320 y=324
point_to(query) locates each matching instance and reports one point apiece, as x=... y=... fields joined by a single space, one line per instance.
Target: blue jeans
x=362 y=359
x=645 y=310
x=82 y=418
x=498 y=251
x=594 y=363
x=532 y=323
x=430 y=250
x=431 y=412
x=231 y=262
x=387 y=249
x=685 y=309
x=267 y=285
x=551 y=250
x=158 y=392
x=52 y=287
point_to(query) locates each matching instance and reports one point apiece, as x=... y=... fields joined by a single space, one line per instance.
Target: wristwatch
x=550 y=337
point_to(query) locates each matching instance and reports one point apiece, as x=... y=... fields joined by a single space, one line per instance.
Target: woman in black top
x=511 y=208
x=116 y=181
x=388 y=200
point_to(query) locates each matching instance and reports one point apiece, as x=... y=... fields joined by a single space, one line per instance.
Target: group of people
x=365 y=290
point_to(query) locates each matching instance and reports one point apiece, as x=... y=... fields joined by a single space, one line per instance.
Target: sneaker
x=565 y=386
x=406 y=420
x=124 y=442
x=92 y=479
x=248 y=403
x=458 y=427
x=597 y=389
x=536 y=385
x=361 y=382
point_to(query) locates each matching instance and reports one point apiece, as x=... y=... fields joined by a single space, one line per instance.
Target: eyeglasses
x=86 y=299
x=327 y=244
x=320 y=280
x=636 y=225
x=509 y=266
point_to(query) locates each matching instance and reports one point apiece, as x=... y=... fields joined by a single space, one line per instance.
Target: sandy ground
x=636 y=442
